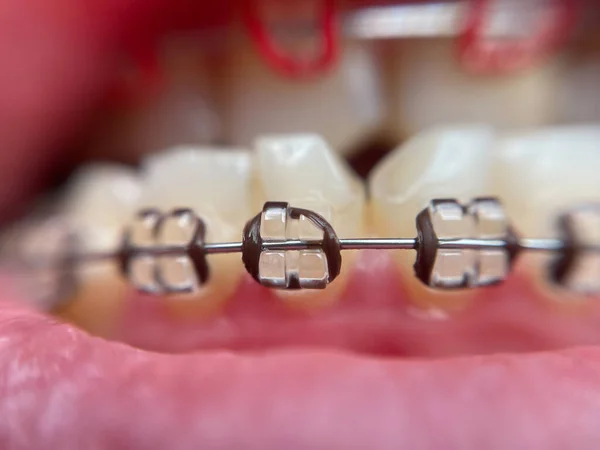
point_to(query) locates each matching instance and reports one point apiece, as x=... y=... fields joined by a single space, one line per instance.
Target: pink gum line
x=373 y=316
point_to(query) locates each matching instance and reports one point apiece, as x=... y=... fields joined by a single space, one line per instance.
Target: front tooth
x=99 y=202
x=344 y=105
x=439 y=163
x=304 y=171
x=540 y=174
x=430 y=88
x=215 y=183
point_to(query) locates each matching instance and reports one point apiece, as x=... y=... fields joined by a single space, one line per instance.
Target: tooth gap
x=367 y=154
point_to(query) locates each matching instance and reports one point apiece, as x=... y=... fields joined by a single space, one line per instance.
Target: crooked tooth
x=100 y=201
x=541 y=173
x=304 y=171
x=215 y=183
x=430 y=88
x=439 y=163
x=344 y=105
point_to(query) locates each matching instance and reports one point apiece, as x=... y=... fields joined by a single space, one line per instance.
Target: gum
x=373 y=315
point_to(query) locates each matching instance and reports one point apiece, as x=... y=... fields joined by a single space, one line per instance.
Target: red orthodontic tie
x=482 y=55
x=282 y=61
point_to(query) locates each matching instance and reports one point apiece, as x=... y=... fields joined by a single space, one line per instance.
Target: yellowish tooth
x=430 y=88
x=344 y=105
x=450 y=162
x=304 y=171
x=215 y=183
x=540 y=173
x=99 y=203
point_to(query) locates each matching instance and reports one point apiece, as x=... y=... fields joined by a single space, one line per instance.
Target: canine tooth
x=304 y=171
x=432 y=89
x=344 y=105
x=439 y=163
x=215 y=184
x=540 y=174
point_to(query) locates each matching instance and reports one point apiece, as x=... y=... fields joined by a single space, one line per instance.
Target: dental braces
x=458 y=246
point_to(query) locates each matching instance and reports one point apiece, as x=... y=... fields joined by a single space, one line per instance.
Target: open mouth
x=377 y=305
x=376 y=358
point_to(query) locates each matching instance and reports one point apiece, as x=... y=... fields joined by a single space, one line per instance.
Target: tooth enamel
x=215 y=184
x=439 y=163
x=304 y=171
x=99 y=202
x=538 y=173
x=432 y=88
x=541 y=173
x=344 y=105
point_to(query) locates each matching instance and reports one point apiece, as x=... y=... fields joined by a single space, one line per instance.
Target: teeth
x=344 y=105
x=540 y=174
x=212 y=182
x=440 y=163
x=99 y=202
x=433 y=89
x=215 y=184
x=304 y=171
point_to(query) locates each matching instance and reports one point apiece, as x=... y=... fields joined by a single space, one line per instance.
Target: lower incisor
x=98 y=301
x=418 y=293
x=101 y=298
x=308 y=299
x=226 y=272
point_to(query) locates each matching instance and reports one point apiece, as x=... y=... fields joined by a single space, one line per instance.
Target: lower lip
x=64 y=389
